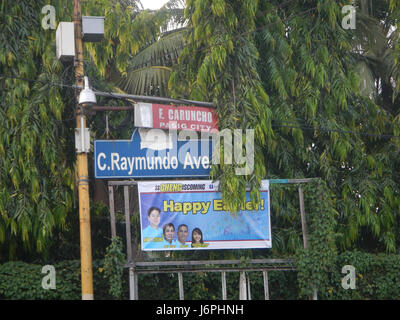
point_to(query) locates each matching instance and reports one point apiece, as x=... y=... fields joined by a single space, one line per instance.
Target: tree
x=36 y=175
x=149 y=70
x=288 y=70
x=220 y=65
x=285 y=69
x=37 y=111
x=140 y=46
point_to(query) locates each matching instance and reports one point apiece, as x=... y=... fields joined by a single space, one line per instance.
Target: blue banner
x=187 y=215
x=152 y=153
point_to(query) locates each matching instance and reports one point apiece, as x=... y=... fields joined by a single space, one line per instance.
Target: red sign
x=184 y=118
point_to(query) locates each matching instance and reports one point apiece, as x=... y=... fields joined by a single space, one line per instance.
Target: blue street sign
x=152 y=154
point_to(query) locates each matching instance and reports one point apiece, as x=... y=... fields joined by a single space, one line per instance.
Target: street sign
x=191 y=118
x=152 y=153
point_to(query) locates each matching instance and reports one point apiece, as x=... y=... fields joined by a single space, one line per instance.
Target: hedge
x=23 y=281
x=377 y=277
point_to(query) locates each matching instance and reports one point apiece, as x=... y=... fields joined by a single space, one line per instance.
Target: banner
x=189 y=215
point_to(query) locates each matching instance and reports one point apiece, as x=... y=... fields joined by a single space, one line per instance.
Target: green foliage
x=137 y=52
x=22 y=281
x=377 y=277
x=292 y=73
x=219 y=64
x=323 y=102
x=36 y=175
x=113 y=266
x=149 y=71
x=37 y=117
x=323 y=125
x=208 y=286
x=315 y=263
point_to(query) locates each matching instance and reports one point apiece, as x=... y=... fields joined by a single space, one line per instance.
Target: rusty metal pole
x=82 y=167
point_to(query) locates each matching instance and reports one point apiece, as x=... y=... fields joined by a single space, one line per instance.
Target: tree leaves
x=221 y=66
x=32 y=146
x=319 y=86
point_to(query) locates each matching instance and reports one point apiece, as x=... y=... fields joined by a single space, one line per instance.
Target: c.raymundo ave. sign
x=152 y=153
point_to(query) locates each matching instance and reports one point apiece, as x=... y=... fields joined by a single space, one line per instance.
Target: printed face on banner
x=154 y=218
x=190 y=215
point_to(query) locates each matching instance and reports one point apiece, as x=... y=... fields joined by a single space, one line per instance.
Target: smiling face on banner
x=182 y=233
x=154 y=217
x=169 y=232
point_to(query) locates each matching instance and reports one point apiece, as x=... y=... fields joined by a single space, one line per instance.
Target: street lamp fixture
x=87 y=95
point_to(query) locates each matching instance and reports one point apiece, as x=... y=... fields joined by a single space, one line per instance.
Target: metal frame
x=222 y=266
x=153 y=99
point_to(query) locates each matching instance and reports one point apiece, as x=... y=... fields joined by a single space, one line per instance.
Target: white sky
x=153 y=4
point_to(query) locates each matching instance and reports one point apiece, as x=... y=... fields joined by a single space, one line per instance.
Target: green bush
x=23 y=281
x=315 y=264
x=377 y=277
x=113 y=267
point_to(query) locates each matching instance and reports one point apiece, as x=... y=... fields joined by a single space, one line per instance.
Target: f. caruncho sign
x=161 y=116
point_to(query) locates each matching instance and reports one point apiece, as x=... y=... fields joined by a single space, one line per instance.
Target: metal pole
x=153 y=99
x=128 y=224
x=132 y=284
x=82 y=167
x=242 y=286
x=248 y=288
x=136 y=286
x=112 y=108
x=112 y=212
x=315 y=294
x=180 y=280
x=223 y=276
x=132 y=295
x=266 y=288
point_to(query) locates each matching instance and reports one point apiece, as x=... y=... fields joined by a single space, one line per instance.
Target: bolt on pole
x=82 y=167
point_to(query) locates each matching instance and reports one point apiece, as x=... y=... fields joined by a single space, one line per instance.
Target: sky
x=153 y=4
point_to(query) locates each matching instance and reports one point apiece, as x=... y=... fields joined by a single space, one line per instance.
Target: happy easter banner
x=189 y=215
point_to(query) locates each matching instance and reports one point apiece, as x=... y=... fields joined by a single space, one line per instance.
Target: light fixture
x=87 y=96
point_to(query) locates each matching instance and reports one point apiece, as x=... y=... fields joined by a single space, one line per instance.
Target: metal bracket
x=82 y=142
